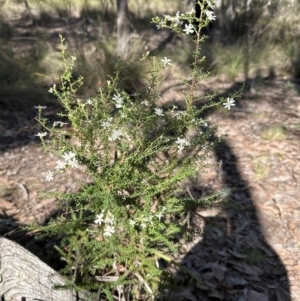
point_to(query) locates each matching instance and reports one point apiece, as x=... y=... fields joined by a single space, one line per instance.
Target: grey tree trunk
x=123 y=29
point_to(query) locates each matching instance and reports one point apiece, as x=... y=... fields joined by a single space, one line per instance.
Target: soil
x=252 y=248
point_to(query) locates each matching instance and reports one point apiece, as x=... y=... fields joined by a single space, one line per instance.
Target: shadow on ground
x=232 y=261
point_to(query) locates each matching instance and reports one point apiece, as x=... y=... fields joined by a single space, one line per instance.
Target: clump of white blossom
x=69 y=161
x=181 y=144
x=108 y=222
x=230 y=102
x=119 y=100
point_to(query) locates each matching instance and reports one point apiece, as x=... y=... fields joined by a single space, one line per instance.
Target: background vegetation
x=249 y=39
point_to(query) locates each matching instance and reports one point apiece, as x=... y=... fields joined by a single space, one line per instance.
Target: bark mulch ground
x=251 y=250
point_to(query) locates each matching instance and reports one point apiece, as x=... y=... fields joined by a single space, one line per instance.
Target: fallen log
x=24 y=277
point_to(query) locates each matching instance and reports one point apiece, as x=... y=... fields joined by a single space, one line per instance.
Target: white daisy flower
x=89 y=101
x=210 y=15
x=229 y=103
x=106 y=124
x=166 y=61
x=118 y=99
x=49 y=176
x=73 y=163
x=109 y=230
x=159 y=111
x=116 y=134
x=60 y=165
x=189 y=29
x=132 y=222
x=41 y=134
x=99 y=219
x=68 y=156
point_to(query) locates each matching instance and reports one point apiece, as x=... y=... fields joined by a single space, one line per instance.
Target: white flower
x=159 y=111
x=168 y=17
x=52 y=89
x=109 y=219
x=40 y=107
x=41 y=134
x=178 y=114
x=143 y=225
x=106 y=124
x=210 y=15
x=109 y=230
x=182 y=142
x=210 y=4
x=166 y=61
x=99 y=220
x=60 y=165
x=205 y=124
x=73 y=163
x=146 y=103
x=229 y=103
x=116 y=134
x=159 y=215
x=69 y=160
x=119 y=104
x=176 y=19
x=119 y=100
x=180 y=149
x=89 y=101
x=191 y=12
x=189 y=29
x=132 y=222
x=68 y=156
x=160 y=25
x=55 y=123
x=49 y=176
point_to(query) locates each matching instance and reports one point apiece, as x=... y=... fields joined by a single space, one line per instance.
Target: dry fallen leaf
x=282 y=295
x=252 y=295
x=237 y=254
x=218 y=271
x=232 y=281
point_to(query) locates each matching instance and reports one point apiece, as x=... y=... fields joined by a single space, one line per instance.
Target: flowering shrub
x=134 y=213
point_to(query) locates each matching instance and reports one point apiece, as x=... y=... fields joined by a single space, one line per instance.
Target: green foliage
x=138 y=155
x=253 y=37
